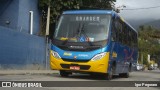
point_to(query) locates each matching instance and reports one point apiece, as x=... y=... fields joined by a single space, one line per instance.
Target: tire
x=124 y=75
x=64 y=73
x=109 y=75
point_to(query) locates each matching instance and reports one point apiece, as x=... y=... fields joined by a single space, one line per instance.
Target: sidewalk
x=25 y=72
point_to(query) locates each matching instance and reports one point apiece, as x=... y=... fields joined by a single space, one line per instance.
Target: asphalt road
x=134 y=76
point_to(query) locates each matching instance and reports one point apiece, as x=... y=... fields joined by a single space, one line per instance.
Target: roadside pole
x=47 y=35
x=47 y=55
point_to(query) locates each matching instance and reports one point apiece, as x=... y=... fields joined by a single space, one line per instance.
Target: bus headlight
x=55 y=54
x=98 y=56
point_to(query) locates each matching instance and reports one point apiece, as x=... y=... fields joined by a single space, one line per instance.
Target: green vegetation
x=149 y=43
x=58 y=6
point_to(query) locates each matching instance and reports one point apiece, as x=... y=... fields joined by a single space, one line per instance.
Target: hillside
x=155 y=23
x=137 y=23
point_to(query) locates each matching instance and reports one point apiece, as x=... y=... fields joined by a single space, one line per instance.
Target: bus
x=98 y=42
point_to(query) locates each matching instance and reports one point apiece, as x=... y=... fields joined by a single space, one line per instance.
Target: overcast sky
x=139 y=16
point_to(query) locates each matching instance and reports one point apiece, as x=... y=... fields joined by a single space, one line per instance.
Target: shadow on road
x=84 y=76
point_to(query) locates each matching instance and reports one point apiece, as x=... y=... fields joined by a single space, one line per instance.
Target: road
x=134 y=76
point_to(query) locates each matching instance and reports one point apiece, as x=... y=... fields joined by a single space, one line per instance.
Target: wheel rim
x=111 y=74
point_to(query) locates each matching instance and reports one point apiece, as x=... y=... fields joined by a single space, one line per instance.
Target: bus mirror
x=113 y=38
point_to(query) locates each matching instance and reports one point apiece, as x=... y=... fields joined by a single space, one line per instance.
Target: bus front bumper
x=98 y=66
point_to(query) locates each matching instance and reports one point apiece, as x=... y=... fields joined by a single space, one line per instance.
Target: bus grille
x=77 y=60
x=82 y=67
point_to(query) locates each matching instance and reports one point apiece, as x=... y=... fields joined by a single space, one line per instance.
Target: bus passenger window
x=113 y=33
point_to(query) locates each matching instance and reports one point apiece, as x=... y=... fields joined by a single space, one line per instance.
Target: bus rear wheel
x=63 y=73
x=125 y=75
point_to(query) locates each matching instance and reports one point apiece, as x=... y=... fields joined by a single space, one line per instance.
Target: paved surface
x=24 y=72
x=52 y=75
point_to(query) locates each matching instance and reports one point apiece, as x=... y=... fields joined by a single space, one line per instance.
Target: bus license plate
x=75 y=67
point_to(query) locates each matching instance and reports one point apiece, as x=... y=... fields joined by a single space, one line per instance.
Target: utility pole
x=47 y=34
x=48 y=20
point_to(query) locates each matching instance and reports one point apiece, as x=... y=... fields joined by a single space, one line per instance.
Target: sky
x=139 y=16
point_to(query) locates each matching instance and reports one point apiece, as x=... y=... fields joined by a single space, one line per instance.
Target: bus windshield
x=83 y=28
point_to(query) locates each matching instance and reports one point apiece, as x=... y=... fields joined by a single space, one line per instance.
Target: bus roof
x=111 y=12
x=88 y=12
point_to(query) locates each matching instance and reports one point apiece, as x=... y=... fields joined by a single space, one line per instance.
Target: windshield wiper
x=80 y=30
x=78 y=34
x=86 y=36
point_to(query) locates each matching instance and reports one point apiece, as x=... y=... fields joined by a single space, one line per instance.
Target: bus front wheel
x=109 y=75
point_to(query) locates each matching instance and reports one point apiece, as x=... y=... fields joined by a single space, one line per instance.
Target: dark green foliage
x=58 y=6
x=149 y=42
x=100 y=4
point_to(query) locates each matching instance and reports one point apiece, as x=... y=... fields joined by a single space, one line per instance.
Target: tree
x=58 y=6
x=149 y=42
x=100 y=4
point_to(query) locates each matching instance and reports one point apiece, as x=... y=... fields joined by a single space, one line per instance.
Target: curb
x=28 y=72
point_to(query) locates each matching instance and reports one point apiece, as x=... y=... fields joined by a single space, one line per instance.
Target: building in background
x=15 y=14
x=18 y=48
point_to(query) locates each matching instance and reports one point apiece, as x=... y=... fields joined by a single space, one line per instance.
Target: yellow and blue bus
x=95 y=42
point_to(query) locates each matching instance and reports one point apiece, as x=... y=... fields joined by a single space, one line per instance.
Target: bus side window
x=125 y=34
x=130 y=37
x=117 y=30
x=135 y=39
x=113 y=31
